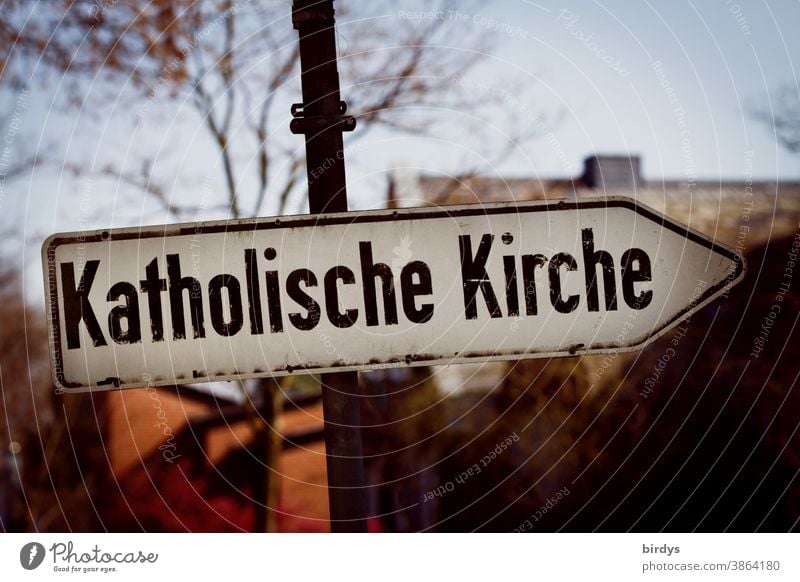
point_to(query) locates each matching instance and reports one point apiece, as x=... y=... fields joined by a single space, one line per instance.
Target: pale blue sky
x=719 y=56
x=691 y=114
x=594 y=61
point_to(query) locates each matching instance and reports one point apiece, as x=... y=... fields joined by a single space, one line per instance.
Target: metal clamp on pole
x=311 y=13
x=311 y=124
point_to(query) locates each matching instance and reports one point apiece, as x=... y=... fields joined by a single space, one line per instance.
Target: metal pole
x=321 y=118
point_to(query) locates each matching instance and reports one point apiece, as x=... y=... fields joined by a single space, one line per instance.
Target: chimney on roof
x=612 y=172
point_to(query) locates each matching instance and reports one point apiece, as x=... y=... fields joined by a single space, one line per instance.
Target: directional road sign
x=364 y=290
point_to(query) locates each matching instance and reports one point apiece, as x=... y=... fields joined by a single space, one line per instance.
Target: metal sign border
x=354 y=217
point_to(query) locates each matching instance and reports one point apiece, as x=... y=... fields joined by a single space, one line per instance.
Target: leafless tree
x=781 y=115
x=236 y=65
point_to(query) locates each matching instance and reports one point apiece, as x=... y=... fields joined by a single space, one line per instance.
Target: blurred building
x=210 y=484
x=714 y=207
x=194 y=458
x=740 y=213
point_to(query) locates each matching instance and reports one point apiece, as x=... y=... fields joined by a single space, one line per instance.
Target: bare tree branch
x=781 y=114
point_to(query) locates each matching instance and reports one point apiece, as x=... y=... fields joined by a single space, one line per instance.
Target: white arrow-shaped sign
x=354 y=291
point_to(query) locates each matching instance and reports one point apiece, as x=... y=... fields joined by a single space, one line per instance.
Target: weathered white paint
x=688 y=271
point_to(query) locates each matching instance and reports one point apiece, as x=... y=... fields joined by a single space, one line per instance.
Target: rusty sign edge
x=281 y=222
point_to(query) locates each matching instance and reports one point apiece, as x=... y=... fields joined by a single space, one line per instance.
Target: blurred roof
x=722 y=209
x=740 y=213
